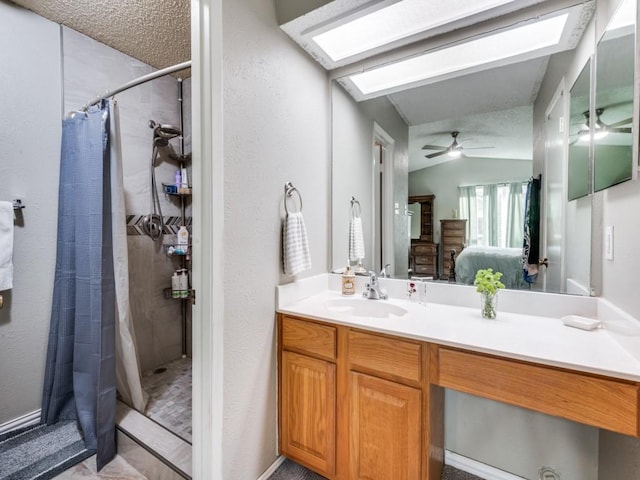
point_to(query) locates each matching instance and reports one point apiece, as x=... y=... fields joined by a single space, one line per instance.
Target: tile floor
x=170 y=396
x=117 y=469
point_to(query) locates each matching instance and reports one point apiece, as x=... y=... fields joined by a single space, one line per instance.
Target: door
x=385 y=426
x=308 y=411
x=551 y=278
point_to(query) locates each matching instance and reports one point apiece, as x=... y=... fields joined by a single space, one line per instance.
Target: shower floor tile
x=170 y=396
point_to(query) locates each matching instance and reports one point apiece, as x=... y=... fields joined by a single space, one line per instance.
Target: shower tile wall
x=91 y=67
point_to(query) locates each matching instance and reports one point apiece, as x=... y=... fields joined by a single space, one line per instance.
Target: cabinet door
x=307 y=412
x=385 y=427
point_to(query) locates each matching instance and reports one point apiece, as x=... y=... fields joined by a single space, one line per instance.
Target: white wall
x=352 y=145
x=443 y=180
x=276 y=129
x=30 y=96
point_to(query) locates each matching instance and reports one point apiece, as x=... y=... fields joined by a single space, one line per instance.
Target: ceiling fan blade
x=434 y=147
x=620 y=130
x=477 y=148
x=437 y=154
x=620 y=123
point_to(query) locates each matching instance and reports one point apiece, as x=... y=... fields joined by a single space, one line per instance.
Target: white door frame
x=382 y=137
x=208 y=222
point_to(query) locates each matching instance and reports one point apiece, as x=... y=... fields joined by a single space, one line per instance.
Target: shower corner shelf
x=167 y=292
x=181 y=158
x=178 y=250
x=172 y=189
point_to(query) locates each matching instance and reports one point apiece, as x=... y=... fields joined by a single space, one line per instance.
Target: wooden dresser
x=453 y=236
x=423 y=259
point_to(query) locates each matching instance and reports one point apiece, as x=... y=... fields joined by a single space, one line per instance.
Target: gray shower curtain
x=80 y=371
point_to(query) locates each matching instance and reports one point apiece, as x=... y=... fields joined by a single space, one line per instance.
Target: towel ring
x=356 y=209
x=288 y=193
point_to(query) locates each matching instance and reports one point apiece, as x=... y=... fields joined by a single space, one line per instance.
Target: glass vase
x=488 y=305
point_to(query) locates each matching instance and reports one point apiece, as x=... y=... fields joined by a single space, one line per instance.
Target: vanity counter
x=532 y=338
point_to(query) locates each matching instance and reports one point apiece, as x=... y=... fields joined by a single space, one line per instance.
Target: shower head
x=163 y=133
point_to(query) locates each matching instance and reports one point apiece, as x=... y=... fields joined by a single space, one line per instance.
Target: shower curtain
x=80 y=370
x=127 y=361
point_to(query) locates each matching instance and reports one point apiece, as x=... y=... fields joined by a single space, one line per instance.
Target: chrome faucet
x=384 y=273
x=372 y=289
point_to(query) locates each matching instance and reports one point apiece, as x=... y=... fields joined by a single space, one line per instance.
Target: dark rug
x=41 y=452
x=292 y=471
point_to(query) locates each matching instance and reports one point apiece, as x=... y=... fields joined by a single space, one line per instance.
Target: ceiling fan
x=601 y=129
x=453 y=150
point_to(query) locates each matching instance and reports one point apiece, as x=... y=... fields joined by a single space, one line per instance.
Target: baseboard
x=25 y=420
x=479 y=469
x=274 y=466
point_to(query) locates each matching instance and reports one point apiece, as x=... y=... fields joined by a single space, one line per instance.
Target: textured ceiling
x=155 y=32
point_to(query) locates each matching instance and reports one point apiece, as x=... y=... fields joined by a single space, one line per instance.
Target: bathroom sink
x=361 y=307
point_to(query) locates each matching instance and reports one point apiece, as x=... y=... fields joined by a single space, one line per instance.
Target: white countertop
x=534 y=338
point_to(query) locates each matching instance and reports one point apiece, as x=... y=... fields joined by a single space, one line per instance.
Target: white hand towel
x=6 y=245
x=356 y=239
x=295 y=247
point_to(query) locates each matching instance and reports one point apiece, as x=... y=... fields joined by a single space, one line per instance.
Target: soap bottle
x=182 y=238
x=348 y=281
x=183 y=282
x=175 y=285
x=178 y=179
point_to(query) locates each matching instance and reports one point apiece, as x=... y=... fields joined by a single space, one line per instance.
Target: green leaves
x=487 y=281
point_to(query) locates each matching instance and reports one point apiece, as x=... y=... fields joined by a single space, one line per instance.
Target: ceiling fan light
x=455 y=153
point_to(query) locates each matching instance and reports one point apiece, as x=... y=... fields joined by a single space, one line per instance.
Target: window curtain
x=494 y=213
x=80 y=368
x=467 y=204
x=514 y=216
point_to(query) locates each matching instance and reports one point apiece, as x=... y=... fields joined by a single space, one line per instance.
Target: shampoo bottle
x=182 y=238
x=175 y=285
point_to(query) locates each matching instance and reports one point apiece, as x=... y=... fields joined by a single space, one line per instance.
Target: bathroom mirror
x=503 y=106
x=579 y=135
x=614 y=99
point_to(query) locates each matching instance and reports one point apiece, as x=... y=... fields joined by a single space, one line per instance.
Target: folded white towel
x=6 y=245
x=295 y=247
x=356 y=239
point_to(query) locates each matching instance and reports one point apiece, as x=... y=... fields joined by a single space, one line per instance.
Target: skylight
x=491 y=48
x=397 y=21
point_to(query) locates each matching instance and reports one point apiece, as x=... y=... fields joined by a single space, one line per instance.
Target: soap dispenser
x=348 y=281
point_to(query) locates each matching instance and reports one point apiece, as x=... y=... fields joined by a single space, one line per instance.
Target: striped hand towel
x=356 y=239
x=6 y=245
x=295 y=247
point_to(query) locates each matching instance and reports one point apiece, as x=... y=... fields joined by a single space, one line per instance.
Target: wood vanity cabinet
x=423 y=259
x=385 y=414
x=353 y=403
x=360 y=405
x=307 y=392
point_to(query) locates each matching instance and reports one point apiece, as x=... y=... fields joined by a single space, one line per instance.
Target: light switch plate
x=608 y=242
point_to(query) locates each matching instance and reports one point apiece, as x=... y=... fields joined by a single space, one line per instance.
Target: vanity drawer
x=424 y=249
x=308 y=337
x=387 y=357
x=602 y=402
x=424 y=269
x=425 y=260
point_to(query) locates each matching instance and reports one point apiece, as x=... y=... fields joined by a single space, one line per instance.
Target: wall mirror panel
x=579 y=135
x=496 y=114
x=614 y=99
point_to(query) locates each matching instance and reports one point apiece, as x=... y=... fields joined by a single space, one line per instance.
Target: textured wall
x=30 y=87
x=91 y=67
x=276 y=129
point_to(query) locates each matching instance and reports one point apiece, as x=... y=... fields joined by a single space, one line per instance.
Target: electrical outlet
x=548 y=473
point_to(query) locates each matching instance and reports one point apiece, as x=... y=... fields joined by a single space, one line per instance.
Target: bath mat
x=41 y=452
x=292 y=471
